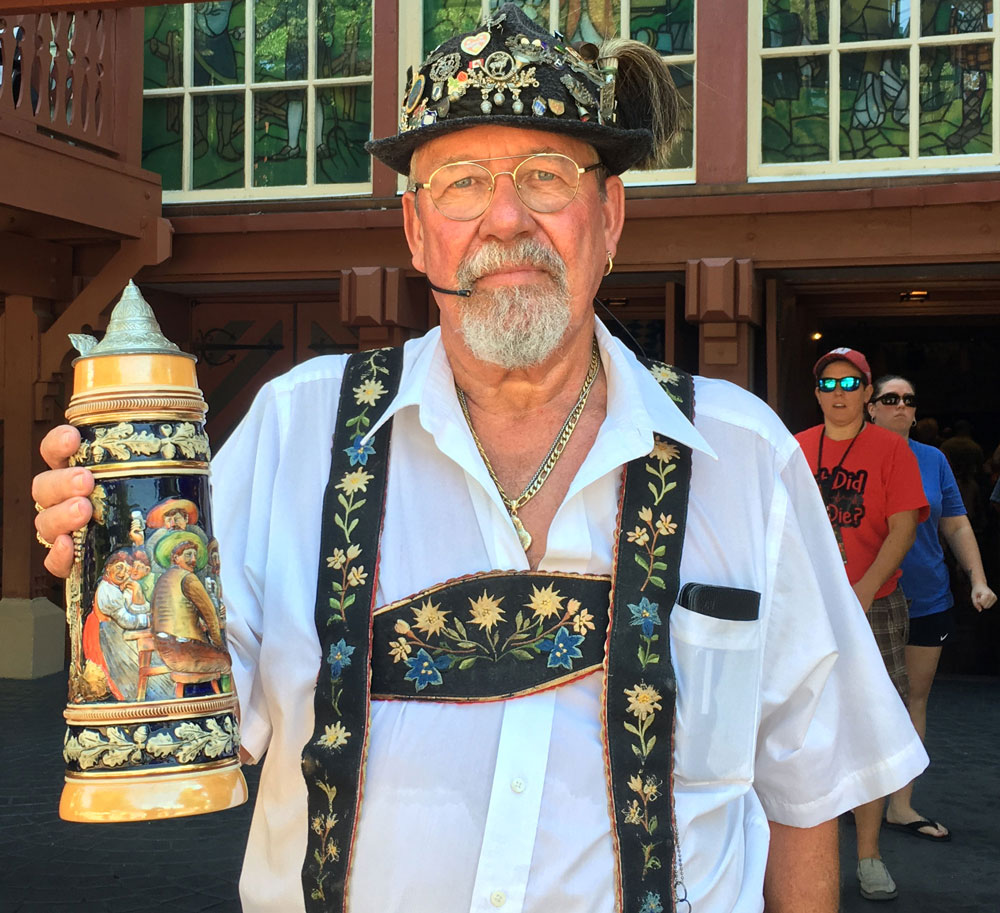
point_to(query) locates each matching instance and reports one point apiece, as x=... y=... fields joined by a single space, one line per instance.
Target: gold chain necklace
x=555 y=451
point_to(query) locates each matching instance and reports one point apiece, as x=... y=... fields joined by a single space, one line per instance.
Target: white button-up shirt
x=503 y=805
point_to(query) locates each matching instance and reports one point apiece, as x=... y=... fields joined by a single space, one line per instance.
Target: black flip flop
x=914 y=828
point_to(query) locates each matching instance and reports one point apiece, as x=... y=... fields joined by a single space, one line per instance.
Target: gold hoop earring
x=611 y=265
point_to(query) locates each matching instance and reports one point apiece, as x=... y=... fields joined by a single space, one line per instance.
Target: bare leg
x=921 y=664
x=867 y=823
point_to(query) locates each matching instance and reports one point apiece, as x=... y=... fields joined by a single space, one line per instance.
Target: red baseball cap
x=852 y=356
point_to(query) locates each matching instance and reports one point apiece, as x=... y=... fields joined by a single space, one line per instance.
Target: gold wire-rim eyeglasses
x=531 y=202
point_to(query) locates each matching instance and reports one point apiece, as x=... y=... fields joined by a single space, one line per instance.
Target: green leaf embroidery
x=641 y=562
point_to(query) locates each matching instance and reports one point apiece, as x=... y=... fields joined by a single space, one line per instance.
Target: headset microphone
x=461 y=292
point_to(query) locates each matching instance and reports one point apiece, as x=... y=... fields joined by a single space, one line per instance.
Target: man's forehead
x=841 y=368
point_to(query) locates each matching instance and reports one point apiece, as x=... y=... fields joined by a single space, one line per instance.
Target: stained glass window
x=257 y=98
x=849 y=82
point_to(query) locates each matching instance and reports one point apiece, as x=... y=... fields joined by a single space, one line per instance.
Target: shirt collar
x=635 y=397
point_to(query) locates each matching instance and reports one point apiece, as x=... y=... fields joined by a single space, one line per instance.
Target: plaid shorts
x=889 y=618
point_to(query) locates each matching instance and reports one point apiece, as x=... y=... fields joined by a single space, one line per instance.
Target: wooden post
x=31 y=630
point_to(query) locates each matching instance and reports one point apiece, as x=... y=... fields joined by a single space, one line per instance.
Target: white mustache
x=494 y=256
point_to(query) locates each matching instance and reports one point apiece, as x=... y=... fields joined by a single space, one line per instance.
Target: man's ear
x=613 y=208
x=414 y=230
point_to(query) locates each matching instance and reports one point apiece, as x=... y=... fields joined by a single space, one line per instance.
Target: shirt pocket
x=717 y=667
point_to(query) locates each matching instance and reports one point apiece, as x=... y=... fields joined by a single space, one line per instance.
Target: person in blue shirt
x=925 y=579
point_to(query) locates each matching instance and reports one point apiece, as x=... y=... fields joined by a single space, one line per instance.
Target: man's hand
x=982 y=596
x=64 y=494
x=866 y=596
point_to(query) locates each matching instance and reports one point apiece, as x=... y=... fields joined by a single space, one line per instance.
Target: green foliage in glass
x=344 y=38
x=667 y=27
x=217 y=141
x=956 y=92
x=281 y=48
x=280 y=125
x=161 y=139
x=163 y=47
x=874 y=105
x=341 y=135
x=790 y=23
x=795 y=110
x=444 y=19
x=874 y=20
x=682 y=155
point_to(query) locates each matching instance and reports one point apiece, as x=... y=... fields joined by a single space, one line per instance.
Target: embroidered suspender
x=483 y=637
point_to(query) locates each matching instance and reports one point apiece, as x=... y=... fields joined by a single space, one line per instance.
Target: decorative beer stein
x=151 y=719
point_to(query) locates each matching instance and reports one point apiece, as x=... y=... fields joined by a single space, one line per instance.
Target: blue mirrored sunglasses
x=847 y=384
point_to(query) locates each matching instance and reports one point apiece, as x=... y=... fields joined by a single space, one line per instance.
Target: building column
x=722 y=298
x=32 y=631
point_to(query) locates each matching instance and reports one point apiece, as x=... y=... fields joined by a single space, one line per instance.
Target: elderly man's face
x=526 y=295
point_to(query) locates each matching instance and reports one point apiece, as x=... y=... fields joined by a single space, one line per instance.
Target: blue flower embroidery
x=339 y=658
x=651 y=903
x=562 y=649
x=646 y=613
x=359 y=451
x=425 y=671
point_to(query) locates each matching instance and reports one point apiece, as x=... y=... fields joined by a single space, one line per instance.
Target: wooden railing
x=74 y=76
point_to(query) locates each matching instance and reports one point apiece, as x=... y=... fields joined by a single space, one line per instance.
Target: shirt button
x=518 y=785
x=498 y=898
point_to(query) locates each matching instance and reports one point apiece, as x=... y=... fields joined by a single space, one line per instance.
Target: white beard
x=514 y=326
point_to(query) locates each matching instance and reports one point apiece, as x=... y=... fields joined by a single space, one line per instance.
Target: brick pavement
x=191 y=865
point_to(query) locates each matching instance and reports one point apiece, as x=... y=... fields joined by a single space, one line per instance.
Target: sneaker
x=874 y=880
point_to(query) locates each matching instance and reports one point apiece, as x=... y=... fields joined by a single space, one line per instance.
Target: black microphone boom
x=461 y=292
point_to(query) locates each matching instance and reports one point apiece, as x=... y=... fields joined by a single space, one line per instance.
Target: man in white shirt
x=784 y=716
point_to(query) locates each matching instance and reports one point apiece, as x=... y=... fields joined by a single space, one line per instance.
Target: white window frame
x=188 y=92
x=411 y=53
x=912 y=164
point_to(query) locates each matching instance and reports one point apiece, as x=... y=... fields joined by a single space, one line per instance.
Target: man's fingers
x=55 y=486
x=63 y=518
x=59 y=445
x=59 y=558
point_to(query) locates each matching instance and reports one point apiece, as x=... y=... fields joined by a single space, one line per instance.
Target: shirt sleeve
x=833 y=732
x=951 y=498
x=242 y=474
x=904 y=487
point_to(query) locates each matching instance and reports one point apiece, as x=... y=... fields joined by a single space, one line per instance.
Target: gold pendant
x=522 y=533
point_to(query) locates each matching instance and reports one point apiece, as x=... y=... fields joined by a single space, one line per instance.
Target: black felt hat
x=509 y=72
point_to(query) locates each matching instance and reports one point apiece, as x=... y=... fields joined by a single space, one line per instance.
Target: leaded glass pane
x=955 y=17
x=795 y=110
x=343 y=116
x=682 y=155
x=217 y=136
x=161 y=139
x=279 y=138
x=281 y=49
x=874 y=105
x=218 y=42
x=790 y=23
x=667 y=27
x=874 y=20
x=589 y=20
x=956 y=108
x=343 y=38
x=163 y=47
x=446 y=18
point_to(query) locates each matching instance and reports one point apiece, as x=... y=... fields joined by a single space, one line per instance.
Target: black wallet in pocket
x=726 y=602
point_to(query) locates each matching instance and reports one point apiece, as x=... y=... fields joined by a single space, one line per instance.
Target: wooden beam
x=88 y=306
x=36 y=268
x=385 y=88
x=44 y=176
x=20 y=370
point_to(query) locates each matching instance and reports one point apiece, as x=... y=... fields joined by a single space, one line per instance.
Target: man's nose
x=507 y=216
